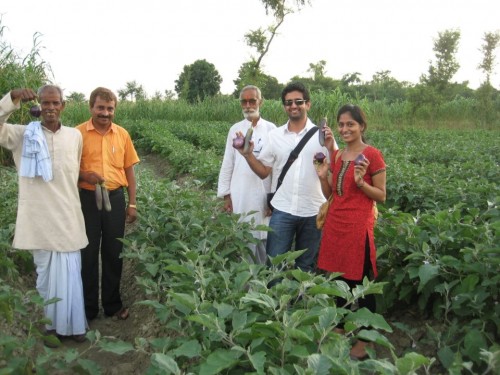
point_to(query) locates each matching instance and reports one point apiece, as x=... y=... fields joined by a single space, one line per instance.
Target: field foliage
x=438 y=255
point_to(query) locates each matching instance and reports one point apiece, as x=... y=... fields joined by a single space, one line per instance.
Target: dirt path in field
x=142 y=320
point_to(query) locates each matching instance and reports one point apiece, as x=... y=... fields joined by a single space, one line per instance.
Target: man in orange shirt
x=108 y=159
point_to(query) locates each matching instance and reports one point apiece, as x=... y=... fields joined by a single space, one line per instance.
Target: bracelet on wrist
x=132 y=206
x=361 y=184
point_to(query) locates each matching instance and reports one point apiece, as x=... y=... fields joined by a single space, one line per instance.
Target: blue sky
x=108 y=43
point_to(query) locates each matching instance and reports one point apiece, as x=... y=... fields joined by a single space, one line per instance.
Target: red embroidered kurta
x=350 y=219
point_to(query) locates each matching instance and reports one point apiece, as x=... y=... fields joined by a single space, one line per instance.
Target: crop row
x=425 y=169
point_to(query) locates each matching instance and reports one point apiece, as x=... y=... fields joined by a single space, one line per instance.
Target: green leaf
x=71 y=355
x=258 y=360
x=411 y=362
x=426 y=272
x=152 y=268
x=239 y=320
x=117 y=347
x=320 y=364
x=474 y=341
x=166 y=363
x=446 y=356
x=207 y=320
x=189 y=349
x=328 y=318
x=218 y=361
x=223 y=309
x=301 y=276
x=178 y=269
x=90 y=366
x=365 y=318
x=260 y=299
x=330 y=290
x=289 y=256
x=299 y=334
x=374 y=336
x=184 y=302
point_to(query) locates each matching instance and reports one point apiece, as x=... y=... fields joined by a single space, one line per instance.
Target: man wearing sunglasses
x=297 y=200
x=241 y=189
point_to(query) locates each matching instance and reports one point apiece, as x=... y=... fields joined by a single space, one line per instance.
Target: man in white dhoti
x=49 y=217
x=243 y=191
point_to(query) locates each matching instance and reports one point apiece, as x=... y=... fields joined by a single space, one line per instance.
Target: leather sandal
x=122 y=314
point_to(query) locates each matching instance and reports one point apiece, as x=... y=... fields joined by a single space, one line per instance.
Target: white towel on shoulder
x=35 y=159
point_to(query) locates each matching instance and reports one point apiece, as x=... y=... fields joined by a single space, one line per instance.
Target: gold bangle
x=132 y=206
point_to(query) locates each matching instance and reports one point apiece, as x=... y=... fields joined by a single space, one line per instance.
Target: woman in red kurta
x=357 y=181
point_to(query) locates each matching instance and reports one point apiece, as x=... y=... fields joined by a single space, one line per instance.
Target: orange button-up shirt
x=108 y=155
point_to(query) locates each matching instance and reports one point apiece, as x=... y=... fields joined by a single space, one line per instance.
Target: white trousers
x=59 y=277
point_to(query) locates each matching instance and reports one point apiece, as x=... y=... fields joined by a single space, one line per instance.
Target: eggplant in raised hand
x=248 y=138
x=321 y=133
x=238 y=141
x=359 y=159
x=319 y=157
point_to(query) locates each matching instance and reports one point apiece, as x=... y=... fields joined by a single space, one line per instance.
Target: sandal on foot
x=358 y=351
x=121 y=314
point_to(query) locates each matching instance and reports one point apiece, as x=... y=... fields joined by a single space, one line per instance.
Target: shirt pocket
x=117 y=156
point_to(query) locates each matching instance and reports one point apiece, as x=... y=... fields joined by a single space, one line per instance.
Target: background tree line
x=201 y=80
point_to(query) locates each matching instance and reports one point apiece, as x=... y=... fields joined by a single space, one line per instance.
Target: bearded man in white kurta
x=49 y=218
x=243 y=191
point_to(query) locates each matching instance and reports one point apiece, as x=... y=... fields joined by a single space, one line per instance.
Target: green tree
x=486 y=93
x=20 y=71
x=132 y=90
x=446 y=65
x=76 y=97
x=487 y=65
x=260 y=39
x=249 y=74
x=385 y=87
x=198 y=81
x=319 y=81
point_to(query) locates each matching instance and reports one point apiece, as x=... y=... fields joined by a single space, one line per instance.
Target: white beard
x=251 y=114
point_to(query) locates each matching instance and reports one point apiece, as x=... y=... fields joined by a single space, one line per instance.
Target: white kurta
x=248 y=191
x=49 y=214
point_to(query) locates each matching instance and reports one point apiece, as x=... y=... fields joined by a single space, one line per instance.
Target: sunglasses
x=248 y=101
x=297 y=102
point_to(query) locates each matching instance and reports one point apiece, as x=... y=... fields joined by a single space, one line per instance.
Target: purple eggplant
x=319 y=157
x=35 y=110
x=359 y=159
x=238 y=142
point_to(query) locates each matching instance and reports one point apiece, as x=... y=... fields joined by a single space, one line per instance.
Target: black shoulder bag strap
x=295 y=154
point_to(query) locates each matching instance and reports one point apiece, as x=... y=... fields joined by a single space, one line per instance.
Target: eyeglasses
x=248 y=101
x=297 y=102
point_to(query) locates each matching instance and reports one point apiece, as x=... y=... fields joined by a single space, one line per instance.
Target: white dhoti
x=259 y=251
x=59 y=277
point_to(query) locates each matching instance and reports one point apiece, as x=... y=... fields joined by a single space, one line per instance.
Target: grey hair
x=44 y=88
x=251 y=87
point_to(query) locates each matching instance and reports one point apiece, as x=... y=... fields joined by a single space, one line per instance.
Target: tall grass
x=460 y=113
